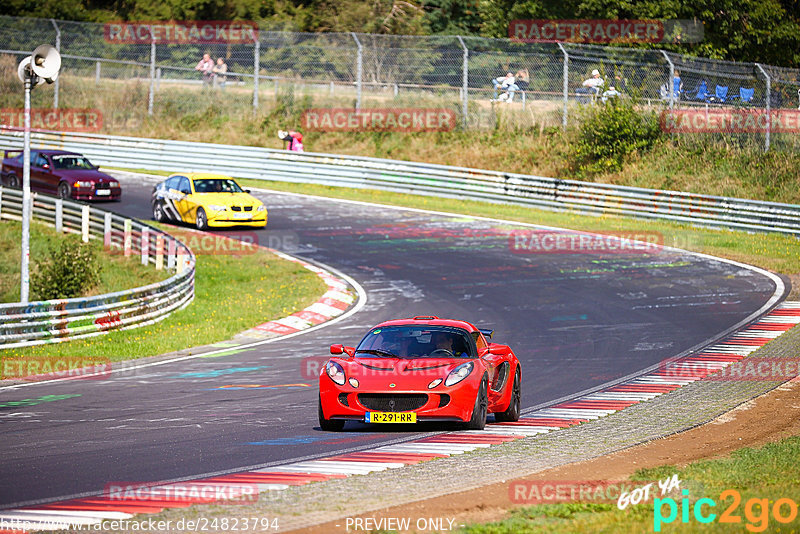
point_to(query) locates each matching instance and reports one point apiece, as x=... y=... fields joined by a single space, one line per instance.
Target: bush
x=70 y=270
x=610 y=133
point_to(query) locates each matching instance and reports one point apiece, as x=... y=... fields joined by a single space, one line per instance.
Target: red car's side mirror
x=337 y=348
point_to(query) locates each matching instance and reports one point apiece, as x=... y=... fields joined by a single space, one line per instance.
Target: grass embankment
x=117 y=272
x=508 y=138
x=232 y=293
x=766 y=474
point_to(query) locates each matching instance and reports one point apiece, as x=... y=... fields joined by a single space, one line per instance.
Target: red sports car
x=420 y=369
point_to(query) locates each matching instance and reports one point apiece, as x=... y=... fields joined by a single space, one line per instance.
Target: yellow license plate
x=390 y=417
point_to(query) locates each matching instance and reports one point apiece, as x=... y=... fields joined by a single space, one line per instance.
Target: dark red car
x=57 y=172
x=420 y=369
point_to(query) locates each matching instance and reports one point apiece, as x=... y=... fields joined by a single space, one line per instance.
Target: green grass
x=769 y=472
x=232 y=293
x=118 y=272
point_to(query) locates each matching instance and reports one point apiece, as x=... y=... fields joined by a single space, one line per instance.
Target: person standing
x=206 y=68
x=220 y=71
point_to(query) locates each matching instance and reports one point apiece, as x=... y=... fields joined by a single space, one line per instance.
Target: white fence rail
x=423 y=179
x=54 y=321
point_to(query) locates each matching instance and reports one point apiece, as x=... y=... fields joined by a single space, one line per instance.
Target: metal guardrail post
x=465 y=83
x=566 y=85
x=769 y=113
x=151 y=95
x=59 y=216
x=359 y=70
x=58 y=47
x=171 y=254
x=85 y=223
x=256 y=69
x=671 y=81
x=107 y=230
x=145 y=246
x=97 y=73
x=159 y=252
x=126 y=238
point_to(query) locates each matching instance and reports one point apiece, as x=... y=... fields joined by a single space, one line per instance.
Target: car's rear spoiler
x=487 y=332
x=7 y=152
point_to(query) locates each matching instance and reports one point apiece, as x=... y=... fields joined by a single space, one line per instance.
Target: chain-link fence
x=129 y=82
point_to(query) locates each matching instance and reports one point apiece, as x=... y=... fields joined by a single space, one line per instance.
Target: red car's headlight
x=335 y=372
x=458 y=374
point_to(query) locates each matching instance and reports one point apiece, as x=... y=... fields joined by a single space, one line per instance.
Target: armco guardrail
x=53 y=321
x=421 y=178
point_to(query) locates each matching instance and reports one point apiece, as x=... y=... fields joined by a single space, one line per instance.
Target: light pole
x=42 y=66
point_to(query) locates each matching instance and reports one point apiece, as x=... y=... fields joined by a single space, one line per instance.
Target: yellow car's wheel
x=201 y=221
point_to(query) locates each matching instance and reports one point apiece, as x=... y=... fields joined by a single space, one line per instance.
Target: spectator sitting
x=611 y=93
x=220 y=71
x=206 y=68
x=592 y=86
x=523 y=79
x=502 y=82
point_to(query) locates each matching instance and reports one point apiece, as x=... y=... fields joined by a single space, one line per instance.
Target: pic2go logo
x=756 y=511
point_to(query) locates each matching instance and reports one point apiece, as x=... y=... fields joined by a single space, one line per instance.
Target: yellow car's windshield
x=216 y=185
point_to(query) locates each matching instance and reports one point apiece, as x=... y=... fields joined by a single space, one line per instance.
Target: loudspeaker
x=25 y=66
x=46 y=62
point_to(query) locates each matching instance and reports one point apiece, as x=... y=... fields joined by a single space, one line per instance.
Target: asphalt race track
x=574 y=320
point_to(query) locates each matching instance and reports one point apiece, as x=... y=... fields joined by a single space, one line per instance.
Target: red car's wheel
x=478 y=421
x=330 y=425
x=13 y=181
x=513 y=410
x=64 y=191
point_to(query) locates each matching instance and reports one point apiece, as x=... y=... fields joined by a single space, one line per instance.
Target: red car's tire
x=479 y=411
x=64 y=191
x=13 y=181
x=329 y=425
x=513 y=411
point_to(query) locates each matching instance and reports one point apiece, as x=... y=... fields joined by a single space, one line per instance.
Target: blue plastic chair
x=720 y=94
x=746 y=95
x=677 y=86
x=702 y=91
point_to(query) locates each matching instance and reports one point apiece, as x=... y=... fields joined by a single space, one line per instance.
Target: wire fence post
x=465 y=83
x=359 y=69
x=256 y=55
x=58 y=47
x=566 y=86
x=151 y=96
x=769 y=115
x=671 y=81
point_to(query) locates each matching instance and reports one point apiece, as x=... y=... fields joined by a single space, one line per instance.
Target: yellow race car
x=206 y=200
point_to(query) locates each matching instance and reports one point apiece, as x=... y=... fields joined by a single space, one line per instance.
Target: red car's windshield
x=416 y=342
x=70 y=162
